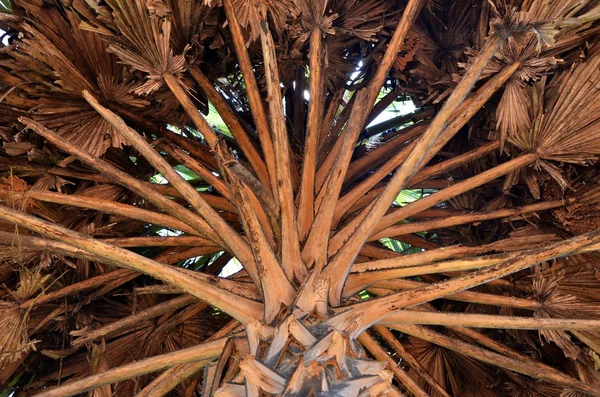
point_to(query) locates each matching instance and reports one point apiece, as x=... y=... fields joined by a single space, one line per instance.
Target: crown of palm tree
x=198 y=198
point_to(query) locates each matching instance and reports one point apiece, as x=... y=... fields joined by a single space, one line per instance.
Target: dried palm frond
x=75 y=66
x=441 y=50
x=14 y=341
x=30 y=282
x=581 y=214
x=550 y=135
x=450 y=369
x=314 y=14
x=566 y=98
x=12 y=192
x=248 y=14
x=165 y=333
x=407 y=54
x=14 y=338
x=557 y=305
x=525 y=388
x=189 y=19
x=99 y=364
x=513 y=116
x=144 y=43
x=362 y=19
x=578 y=277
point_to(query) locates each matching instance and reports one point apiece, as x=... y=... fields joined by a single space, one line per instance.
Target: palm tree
x=149 y=147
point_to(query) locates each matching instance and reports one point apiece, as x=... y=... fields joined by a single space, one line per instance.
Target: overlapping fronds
x=70 y=65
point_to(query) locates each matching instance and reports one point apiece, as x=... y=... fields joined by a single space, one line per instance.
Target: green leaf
x=214 y=120
x=408 y=196
x=185 y=172
x=5 y=6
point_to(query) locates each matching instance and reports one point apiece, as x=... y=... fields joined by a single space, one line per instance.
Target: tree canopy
x=202 y=197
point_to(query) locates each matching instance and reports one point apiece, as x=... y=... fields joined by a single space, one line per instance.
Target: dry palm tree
x=150 y=147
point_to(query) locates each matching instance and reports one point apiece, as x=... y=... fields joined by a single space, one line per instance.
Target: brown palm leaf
x=144 y=43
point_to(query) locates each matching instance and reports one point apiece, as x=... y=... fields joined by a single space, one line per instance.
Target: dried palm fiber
x=514 y=106
x=99 y=364
x=580 y=215
x=14 y=339
x=189 y=22
x=13 y=192
x=562 y=286
x=570 y=270
x=13 y=253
